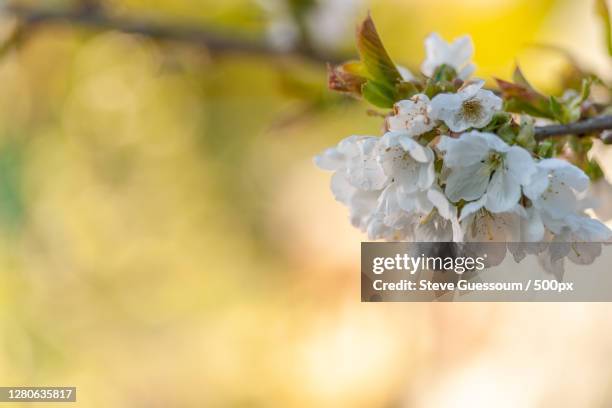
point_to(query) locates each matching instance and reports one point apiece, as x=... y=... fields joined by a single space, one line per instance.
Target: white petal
x=537 y=184
x=520 y=164
x=341 y=188
x=462 y=50
x=493 y=141
x=532 y=228
x=414 y=201
x=361 y=205
x=446 y=211
x=467 y=183
x=570 y=174
x=427 y=176
x=445 y=107
x=411 y=116
x=420 y=153
x=350 y=145
x=489 y=100
x=471 y=208
x=434 y=230
x=439 y=200
x=558 y=200
x=463 y=151
x=589 y=229
x=331 y=159
x=503 y=192
x=471 y=89
x=490 y=104
x=422 y=203
x=584 y=253
x=435 y=48
x=457 y=231
x=439 y=52
x=364 y=170
x=367 y=174
x=554 y=225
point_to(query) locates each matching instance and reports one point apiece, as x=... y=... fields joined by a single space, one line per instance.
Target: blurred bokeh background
x=165 y=240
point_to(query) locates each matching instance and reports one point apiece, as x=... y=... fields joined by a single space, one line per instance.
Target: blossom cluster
x=444 y=171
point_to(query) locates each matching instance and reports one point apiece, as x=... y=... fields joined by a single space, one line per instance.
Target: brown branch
x=582 y=128
x=214 y=42
x=218 y=43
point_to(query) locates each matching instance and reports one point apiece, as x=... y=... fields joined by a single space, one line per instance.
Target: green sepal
x=506 y=133
x=526 y=135
x=546 y=149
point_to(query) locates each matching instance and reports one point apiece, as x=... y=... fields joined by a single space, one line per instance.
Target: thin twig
x=582 y=128
x=214 y=42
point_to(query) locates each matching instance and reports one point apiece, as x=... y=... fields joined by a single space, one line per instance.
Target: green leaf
x=375 y=76
x=374 y=56
x=405 y=90
x=603 y=12
x=569 y=108
x=522 y=98
x=378 y=94
x=519 y=78
x=585 y=91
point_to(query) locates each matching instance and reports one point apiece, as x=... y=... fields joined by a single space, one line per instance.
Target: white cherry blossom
x=429 y=217
x=406 y=162
x=554 y=186
x=485 y=189
x=361 y=203
x=445 y=219
x=412 y=116
x=471 y=107
x=358 y=177
x=480 y=225
x=554 y=193
x=484 y=168
x=355 y=156
x=587 y=229
x=456 y=54
x=389 y=220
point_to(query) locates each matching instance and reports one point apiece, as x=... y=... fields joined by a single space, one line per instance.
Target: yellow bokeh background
x=165 y=240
